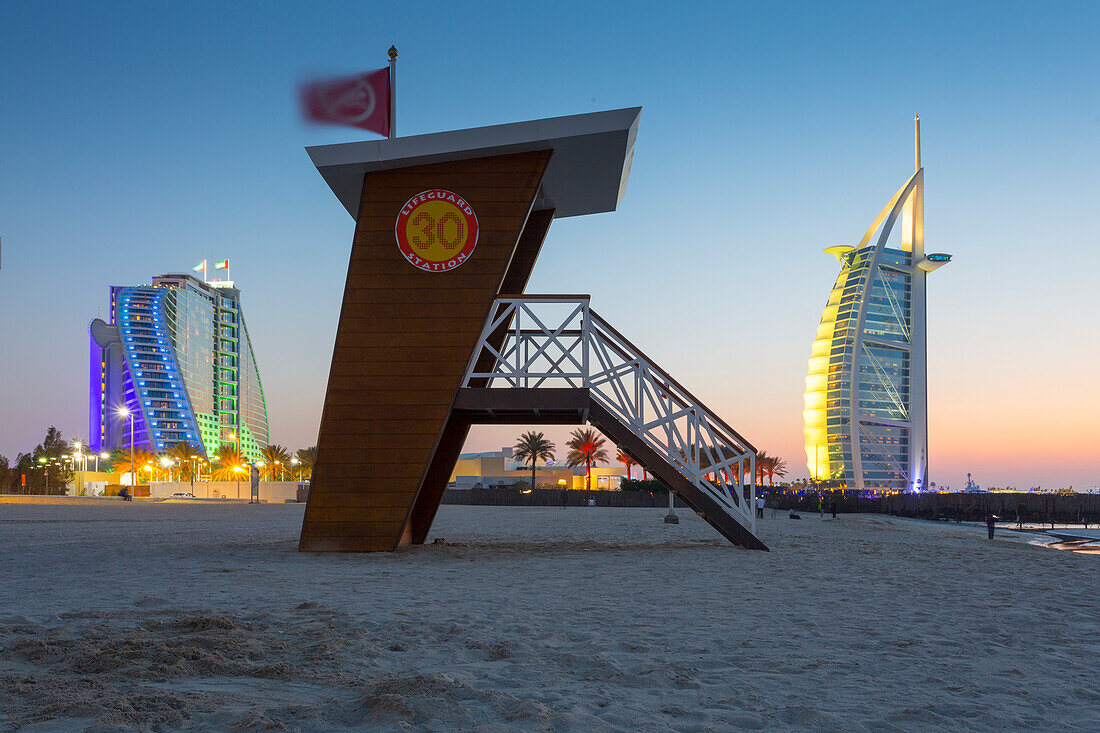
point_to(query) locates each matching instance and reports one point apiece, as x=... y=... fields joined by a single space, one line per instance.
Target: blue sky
x=140 y=138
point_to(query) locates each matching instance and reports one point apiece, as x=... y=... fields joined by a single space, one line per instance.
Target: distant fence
x=1033 y=508
x=511 y=496
x=1063 y=509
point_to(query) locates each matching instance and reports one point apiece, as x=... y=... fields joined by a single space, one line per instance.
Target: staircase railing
x=558 y=341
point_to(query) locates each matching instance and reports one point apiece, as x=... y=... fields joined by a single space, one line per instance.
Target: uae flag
x=360 y=101
x=201 y=267
x=223 y=265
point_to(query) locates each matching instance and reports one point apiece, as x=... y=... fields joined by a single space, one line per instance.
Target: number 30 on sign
x=436 y=230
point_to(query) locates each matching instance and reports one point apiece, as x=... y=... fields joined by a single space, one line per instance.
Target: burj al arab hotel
x=866 y=415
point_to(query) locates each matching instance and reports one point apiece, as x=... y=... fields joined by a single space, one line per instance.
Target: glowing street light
x=78 y=454
x=124 y=412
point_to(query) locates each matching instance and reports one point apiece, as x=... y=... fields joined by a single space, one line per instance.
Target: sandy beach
x=199 y=617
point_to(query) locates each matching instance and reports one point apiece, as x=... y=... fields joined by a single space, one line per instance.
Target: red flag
x=362 y=101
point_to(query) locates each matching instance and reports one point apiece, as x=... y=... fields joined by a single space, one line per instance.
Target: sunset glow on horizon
x=170 y=135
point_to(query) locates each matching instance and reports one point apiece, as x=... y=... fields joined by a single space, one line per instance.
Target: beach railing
x=555 y=341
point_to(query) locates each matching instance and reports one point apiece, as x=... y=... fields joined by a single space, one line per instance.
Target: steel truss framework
x=559 y=341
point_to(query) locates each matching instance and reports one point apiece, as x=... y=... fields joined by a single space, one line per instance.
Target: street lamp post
x=124 y=412
x=296 y=462
x=82 y=455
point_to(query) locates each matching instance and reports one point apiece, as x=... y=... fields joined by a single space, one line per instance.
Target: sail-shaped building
x=866 y=402
x=177 y=357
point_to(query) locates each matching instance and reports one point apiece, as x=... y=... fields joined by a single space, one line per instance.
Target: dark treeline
x=48 y=467
x=43 y=470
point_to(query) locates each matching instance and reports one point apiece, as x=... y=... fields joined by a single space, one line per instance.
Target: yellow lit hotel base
x=817 y=378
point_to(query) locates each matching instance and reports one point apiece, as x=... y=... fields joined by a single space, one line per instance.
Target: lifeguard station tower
x=436 y=333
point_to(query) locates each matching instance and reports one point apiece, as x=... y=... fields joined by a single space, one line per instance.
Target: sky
x=141 y=138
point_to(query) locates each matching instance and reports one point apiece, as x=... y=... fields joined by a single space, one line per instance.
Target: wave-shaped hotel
x=866 y=415
x=177 y=357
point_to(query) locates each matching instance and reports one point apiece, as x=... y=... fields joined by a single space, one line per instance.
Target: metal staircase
x=551 y=358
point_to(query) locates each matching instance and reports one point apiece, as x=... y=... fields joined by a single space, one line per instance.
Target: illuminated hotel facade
x=177 y=356
x=866 y=402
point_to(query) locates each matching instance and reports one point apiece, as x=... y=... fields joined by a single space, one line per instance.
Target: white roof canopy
x=587 y=173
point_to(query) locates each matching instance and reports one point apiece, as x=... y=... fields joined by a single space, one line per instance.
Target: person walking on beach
x=760 y=507
x=832 y=506
x=990 y=523
x=821 y=506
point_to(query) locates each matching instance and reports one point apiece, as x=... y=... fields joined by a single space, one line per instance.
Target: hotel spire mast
x=916 y=139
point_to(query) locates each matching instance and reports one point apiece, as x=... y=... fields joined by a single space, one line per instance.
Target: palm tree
x=186 y=455
x=306 y=458
x=531 y=448
x=586 y=447
x=763 y=460
x=626 y=460
x=776 y=467
x=120 y=461
x=229 y=463
x=119 y=456
x=274 y=456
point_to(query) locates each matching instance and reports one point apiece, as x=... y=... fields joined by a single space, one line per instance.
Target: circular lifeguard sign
x=436 y=230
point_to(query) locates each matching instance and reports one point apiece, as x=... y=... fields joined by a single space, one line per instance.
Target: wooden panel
x=403 y=297
x=435 y=479
x=402 y=345
x=458 y=426
x=396 y=353
x=527 y=251
x=352 y=492
x=382 y=511
x=377 y=529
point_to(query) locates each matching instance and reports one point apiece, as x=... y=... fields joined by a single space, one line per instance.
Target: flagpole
x=393 y=91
